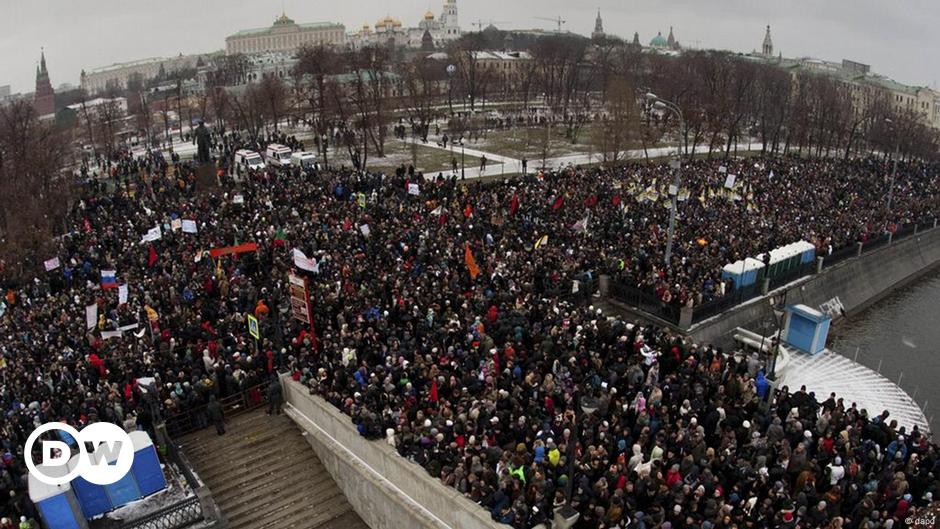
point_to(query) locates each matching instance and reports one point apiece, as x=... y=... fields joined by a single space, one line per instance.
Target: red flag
x=87 y=226
x=514 y=205
x=615 y=200
x=467 y=211
x=433 y=396
x=151 y=255
x=558 y=203
x=346 y=224
x=590 y=201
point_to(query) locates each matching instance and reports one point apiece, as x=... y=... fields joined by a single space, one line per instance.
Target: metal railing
x=646 y=301
x=718 y=305
x=840 y=255
x=197 y=418
x=180 y=515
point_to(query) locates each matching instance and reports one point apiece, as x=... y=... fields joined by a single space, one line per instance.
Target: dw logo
x=108 y=443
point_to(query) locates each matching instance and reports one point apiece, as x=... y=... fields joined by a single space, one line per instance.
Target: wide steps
x=263 y=474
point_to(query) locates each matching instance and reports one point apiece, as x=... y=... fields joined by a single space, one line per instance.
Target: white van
x=245 y=160
x=304 y=160
x=277 y=155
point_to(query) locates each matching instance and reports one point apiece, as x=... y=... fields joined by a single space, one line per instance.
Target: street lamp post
x=672 y=107
x=894 y=170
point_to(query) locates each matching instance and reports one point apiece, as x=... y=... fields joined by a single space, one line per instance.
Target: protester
x=452 y=323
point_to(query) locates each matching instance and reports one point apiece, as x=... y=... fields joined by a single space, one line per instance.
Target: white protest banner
x=130 y=327
x=413 y=189
x=305 y=263
x=729 y=181
x=176 y=224
x=365 y=230
x=189 y=226
x=122 y=294
x=52 y=264
x=238 y=199
x=111 y=334
x=152 y=235
x=91 y=316
x=722 y=169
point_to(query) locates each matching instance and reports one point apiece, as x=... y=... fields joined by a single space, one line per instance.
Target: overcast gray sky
x=898 y=38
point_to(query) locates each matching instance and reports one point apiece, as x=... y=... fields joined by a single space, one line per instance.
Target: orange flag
x=471 y=262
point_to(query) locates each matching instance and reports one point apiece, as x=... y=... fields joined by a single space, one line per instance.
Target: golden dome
x=388 y=21
x=429 y=16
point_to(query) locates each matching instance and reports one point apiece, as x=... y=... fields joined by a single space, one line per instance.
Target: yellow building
x=285 y=35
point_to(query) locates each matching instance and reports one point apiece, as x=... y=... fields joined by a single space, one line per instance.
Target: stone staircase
x=263 y=474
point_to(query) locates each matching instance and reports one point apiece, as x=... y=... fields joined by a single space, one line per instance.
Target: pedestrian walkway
x=829 y=372
x=498 y=165
x=263 y=474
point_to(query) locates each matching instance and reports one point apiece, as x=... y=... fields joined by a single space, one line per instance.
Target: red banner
x=230 y=250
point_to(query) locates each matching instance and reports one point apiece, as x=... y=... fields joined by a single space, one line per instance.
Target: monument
x=206 y=177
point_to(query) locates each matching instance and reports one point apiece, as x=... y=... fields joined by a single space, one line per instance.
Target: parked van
x=277 y=155
x=245 y=160
x=304 y=160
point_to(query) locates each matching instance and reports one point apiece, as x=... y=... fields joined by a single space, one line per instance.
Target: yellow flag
x=542 y=240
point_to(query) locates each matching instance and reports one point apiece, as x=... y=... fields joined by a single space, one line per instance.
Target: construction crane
x=480 y=23
x=558 y=21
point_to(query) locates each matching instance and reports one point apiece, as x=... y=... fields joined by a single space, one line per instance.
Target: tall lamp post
x=894 y=170
x=659 y=103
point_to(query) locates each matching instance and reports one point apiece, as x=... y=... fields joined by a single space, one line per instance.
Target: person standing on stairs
x=275 y=397
x=214 y=410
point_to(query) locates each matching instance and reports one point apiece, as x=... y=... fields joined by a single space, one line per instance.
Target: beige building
x=285 y=35
x=96 y=80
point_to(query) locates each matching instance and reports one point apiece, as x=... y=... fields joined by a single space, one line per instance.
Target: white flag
x=413 y=189
x=91 y=316
x=729 y=181
x=437 y=211
x=189 y=226
x=51 y=264
x=122 y=294
x=238 y=199
x=365 y=230
x=305 y=263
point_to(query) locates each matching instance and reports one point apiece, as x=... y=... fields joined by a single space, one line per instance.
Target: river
x=901 y=334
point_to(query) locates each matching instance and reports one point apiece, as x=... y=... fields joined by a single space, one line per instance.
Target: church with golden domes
x=429 y=33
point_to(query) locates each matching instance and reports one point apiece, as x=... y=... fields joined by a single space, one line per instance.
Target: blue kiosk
x=806 y=328
x=69 y=506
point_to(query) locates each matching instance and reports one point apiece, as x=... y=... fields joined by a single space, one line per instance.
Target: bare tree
x=38 y=190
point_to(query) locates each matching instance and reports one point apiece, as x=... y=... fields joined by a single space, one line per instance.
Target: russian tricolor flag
x=108 y=279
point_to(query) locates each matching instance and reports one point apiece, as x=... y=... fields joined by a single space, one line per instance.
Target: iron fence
x=718 y=305
x=645 y=301
x=185 y=513
x=877 y=242
x=196 y=418
x=840 y=255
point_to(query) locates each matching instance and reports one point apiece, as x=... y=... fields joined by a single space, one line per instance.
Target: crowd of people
x=452 y=320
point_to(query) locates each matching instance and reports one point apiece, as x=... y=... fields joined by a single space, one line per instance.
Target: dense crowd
x=476 y=376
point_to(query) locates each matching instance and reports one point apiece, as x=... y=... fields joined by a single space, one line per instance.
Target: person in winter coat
x=214 y=410
x=275 y=398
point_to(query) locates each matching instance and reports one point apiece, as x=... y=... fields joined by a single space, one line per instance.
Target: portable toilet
x=146 y=468
x=807 y=251
x=57 y=504
x=92 y=498
x=122 y=491
x=806 y=328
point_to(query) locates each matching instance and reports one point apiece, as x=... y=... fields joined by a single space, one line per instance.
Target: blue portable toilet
x=807 y=251
x=92 y=498
x=57 y=504
x=146 y=468
x=124 y=490
x=806 y=328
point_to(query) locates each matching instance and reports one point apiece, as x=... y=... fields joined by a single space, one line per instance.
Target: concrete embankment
x=852 y=285
x=385 y=489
